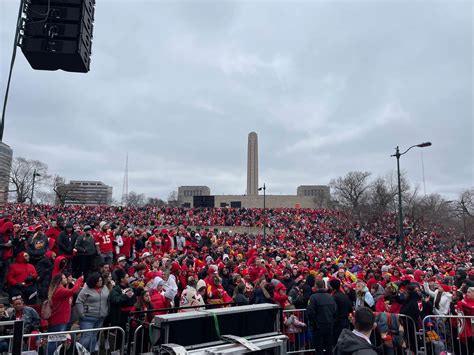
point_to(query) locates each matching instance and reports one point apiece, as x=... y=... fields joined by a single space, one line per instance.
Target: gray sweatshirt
x=91 y=303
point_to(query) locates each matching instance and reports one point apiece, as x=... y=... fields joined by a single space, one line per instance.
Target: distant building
x=6 y=155
x=186 y=193
x=321 y=194
x=86 y=193
x=307 y=196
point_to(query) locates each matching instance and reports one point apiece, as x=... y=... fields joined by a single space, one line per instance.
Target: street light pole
x=401 y=238
x=400 y=212
x=264 y=211
x=35 y=174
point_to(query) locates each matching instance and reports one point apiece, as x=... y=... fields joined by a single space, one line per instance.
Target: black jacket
x=351 y=344
x=86 y=245
x=44 y=268
x=66 y=243
x=344 y=305
x=321 y=310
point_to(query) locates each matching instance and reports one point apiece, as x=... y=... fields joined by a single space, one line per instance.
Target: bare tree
x=351 y=190
x=383 y=192
x=173 y=199
x=155 y=202
x=135 y=200
x=21 y=177
x=61 y=190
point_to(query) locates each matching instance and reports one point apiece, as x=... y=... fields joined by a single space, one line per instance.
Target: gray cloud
x=329 y=87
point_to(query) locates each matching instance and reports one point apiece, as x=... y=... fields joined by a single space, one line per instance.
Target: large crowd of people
x=94 y=266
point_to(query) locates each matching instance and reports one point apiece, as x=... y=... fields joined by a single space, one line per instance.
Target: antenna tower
x=125 y=184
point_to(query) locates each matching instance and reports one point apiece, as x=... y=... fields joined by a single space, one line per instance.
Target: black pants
x=323 y=339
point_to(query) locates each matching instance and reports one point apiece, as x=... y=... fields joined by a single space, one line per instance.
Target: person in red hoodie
x=21 y=278
x=60 y=301
x=280 y=297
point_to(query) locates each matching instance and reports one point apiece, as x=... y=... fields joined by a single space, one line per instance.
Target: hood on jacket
x=57 y=265
x=418 y=275
x=6 y=228
x=349 y=343
x=200 y=284
x=157 y=281
x=20 y=258
x=280 y=286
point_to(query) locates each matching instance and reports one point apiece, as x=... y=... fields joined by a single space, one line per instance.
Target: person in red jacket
x=280 y=297
x=21 y=278
x=128 y=244
x=466 y=331
x=158 y=299
x=60 y=301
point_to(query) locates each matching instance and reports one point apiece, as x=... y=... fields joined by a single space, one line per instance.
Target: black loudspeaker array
x=57 y=34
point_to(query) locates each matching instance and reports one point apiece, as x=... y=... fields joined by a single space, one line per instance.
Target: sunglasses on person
x=19 y=297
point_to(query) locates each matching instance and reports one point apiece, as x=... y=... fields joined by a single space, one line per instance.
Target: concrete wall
x=271 y=201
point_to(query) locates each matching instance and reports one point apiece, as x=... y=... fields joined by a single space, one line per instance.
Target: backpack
x=46 y=310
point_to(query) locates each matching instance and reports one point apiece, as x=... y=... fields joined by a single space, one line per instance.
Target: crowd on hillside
x=95 y=265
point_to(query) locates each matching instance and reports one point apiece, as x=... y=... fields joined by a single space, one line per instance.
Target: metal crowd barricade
x=295 y=327
x=109 y=341
x=448 y=335
x=399 y=335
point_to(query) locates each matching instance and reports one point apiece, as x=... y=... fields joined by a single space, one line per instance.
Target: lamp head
x=425 y=144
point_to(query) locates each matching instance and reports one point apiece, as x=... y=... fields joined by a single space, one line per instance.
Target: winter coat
x=20 y=271
x=85 y=245
x=240 y=300
x=191 y=298
x=321 y=310
x=29 y=316
x=44 y=268
x=444 y=304
x=466 y=308
x=351 y=344
x=158 y=301
x=120 y=305
x=6 y=236
x=38 y=245
x=65 y=243
x=61 y=302
x=93 y=303
x=344 y=305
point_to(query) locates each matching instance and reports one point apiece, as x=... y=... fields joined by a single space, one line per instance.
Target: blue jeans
x=89 y=339
x=55 y=328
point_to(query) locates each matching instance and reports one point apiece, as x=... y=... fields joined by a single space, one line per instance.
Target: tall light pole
x=400 y=212
x=264 y=211
x=35 y=174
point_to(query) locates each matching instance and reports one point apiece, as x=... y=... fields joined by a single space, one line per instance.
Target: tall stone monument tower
x=252 y=164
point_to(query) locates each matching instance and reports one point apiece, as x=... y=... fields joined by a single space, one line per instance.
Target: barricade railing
x=295 y=327
x=448 y=334
x=106 y=340
x=396 y=334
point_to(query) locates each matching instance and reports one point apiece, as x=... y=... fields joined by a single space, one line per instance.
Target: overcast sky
x=329 y=86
